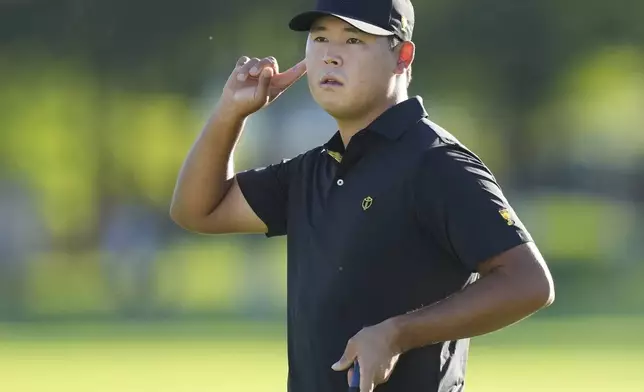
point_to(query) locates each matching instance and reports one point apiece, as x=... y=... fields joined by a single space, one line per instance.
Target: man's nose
x=331 y=59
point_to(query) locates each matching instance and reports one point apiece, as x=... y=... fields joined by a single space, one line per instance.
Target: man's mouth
x=330 y=81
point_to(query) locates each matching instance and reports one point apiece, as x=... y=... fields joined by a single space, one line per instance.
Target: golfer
x=401 y=244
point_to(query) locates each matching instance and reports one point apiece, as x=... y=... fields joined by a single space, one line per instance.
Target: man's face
x=348 y=70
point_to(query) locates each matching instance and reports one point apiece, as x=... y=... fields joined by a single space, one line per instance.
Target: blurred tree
x=97 y=98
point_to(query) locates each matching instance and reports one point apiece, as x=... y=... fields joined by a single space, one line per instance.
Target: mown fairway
x=572 y=355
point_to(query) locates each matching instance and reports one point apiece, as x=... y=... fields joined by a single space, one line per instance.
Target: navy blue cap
x=377 y=17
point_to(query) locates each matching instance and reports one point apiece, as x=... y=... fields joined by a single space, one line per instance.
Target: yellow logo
x=403 y=22
x=336 y=155
x=367 y=202
x=506 y=215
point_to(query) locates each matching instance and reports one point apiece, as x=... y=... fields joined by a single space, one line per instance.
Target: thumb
x=343 y=363
x=261 y=93
x=287 y=78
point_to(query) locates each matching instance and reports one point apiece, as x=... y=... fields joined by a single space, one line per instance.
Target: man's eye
x=354 y=41
x=319 y=39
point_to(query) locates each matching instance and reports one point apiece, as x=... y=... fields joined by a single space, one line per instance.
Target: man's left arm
x=513 y=285
x=461 y=206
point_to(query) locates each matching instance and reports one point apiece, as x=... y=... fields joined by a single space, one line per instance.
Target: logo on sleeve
x=367 y=202
x=505 y=214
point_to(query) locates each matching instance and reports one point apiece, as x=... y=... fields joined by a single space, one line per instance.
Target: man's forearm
x=206 y=172
x=493 y=302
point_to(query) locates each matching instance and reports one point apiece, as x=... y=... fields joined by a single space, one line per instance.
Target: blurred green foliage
x=100 y=102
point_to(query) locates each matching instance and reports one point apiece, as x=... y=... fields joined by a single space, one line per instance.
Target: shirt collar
x=392 y=123
x=335 y=144
x=398 y=118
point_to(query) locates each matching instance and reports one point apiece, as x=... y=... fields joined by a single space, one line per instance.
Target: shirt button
x=340 y=182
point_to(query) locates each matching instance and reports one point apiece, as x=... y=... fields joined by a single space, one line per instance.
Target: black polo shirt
x=397 y=221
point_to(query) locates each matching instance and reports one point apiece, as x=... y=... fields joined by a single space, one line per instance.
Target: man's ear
x=406 y=54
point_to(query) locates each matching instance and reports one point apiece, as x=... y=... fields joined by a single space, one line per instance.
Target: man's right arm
x=207 y=196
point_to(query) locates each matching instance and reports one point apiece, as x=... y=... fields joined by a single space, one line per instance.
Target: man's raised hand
x=255 y=83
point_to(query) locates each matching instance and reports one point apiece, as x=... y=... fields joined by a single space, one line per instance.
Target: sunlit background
x=100 y=101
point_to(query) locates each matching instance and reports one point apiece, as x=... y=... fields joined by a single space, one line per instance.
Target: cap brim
x=304 y=21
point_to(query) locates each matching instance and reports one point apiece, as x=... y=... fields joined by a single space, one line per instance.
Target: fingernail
x=253 y=70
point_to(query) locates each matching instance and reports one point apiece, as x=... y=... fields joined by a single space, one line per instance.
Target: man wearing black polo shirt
x=401 y=244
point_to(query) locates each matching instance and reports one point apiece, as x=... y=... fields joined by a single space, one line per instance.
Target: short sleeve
x=460 y=204
x=266 y=191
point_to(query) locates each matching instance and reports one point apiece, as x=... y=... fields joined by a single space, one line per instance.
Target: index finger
x=290 y=76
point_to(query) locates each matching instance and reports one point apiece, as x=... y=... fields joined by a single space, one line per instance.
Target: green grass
x=571 y=355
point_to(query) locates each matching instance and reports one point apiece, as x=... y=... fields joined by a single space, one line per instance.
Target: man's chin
x=335 y=108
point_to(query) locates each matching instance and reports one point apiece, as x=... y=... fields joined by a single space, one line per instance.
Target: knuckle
x=248 y=64
x=271 y=62
x=242 y=60
x=253 y=63
x=265 y=63
x=352 y=344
